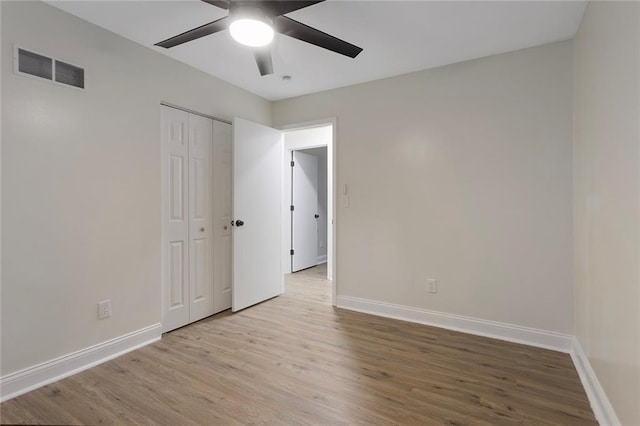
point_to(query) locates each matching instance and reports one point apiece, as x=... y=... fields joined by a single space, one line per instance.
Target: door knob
x=201 y=229
x=316 y=216
x=239 y=223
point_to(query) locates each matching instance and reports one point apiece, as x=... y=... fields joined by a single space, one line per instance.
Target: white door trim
x=332 y=227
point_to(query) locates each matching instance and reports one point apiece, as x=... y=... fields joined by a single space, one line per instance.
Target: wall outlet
x=432 y=286
x=104 y=309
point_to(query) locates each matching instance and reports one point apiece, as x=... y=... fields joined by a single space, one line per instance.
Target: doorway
x=261 y=211
x=308 y=215
x=308 y=208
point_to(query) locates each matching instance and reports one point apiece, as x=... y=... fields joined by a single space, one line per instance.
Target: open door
x=257 y=201
x=304 y=218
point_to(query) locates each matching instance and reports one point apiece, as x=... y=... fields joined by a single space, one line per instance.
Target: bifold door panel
x=200 y=197
x=189 y=233
x=175 y=143
x=222 y=248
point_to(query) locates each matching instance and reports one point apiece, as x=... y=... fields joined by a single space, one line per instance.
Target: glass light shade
x=251 y=32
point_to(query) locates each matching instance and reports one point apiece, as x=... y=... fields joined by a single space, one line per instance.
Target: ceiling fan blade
x=295 y=29
x=196 y=33
x=263 y=59
x=222 y=4
x=280 y=7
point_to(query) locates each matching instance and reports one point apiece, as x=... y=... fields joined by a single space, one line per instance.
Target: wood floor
x=297 y=360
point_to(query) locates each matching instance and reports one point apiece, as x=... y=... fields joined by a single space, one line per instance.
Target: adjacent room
x=320 y=212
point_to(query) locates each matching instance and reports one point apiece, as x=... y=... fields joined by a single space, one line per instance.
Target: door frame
x=332 y=192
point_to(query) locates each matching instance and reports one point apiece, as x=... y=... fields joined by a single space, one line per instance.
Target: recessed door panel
x=199 y=184
x=199 y=276
x=176 y=183
x=177 y=257
x=177 y=129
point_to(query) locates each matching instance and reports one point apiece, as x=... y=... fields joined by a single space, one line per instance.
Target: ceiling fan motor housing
x=250 y=12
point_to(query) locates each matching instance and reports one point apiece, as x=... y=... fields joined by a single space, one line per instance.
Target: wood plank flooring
x=297 y=360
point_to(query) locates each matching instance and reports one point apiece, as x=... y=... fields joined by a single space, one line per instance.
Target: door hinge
x=292 y=208
x=291 y=252
x=293 y=164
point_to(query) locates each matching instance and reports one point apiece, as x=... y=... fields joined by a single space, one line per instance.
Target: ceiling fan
x=253 y=23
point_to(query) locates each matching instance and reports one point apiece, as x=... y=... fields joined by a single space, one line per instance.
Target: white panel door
x=222 y=176
x=201 y=217
x=175 y=218
x=305 y=201
x=257 y=200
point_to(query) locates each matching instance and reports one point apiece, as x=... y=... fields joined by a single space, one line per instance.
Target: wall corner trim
x=31 y=378
x=496 y=330
x=602 y=408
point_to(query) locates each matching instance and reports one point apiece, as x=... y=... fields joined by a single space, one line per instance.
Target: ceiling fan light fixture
x=251 y=32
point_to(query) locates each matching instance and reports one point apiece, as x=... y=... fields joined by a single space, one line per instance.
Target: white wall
x=463 y=174
x=607 y=199
x=81 y=182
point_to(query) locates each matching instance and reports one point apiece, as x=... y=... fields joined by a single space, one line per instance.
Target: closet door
x=200 y=217
x=175 y=218
x=187 y=218
x=222 y=177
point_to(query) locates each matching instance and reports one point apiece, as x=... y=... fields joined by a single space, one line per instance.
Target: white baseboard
x=322 y=259
x=31 y=378
x=497 y=330
x=602 y=408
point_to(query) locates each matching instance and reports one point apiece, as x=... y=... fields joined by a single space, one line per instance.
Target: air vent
x=34 y=64
x=69 y=74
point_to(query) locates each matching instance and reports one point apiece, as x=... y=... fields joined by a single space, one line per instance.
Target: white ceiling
x=397 y=36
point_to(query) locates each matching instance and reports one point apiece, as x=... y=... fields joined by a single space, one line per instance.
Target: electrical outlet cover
x=104 y=309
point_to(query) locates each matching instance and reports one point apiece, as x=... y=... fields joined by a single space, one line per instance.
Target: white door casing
x=257 y=200
x=222 y=249
x=305 y=202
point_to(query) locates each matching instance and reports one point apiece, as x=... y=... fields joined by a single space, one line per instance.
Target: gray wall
x=463 y=174
x=81 y=182
x=607 y=199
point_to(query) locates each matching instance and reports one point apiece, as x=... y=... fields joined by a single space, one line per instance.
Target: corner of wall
x=602 y=408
